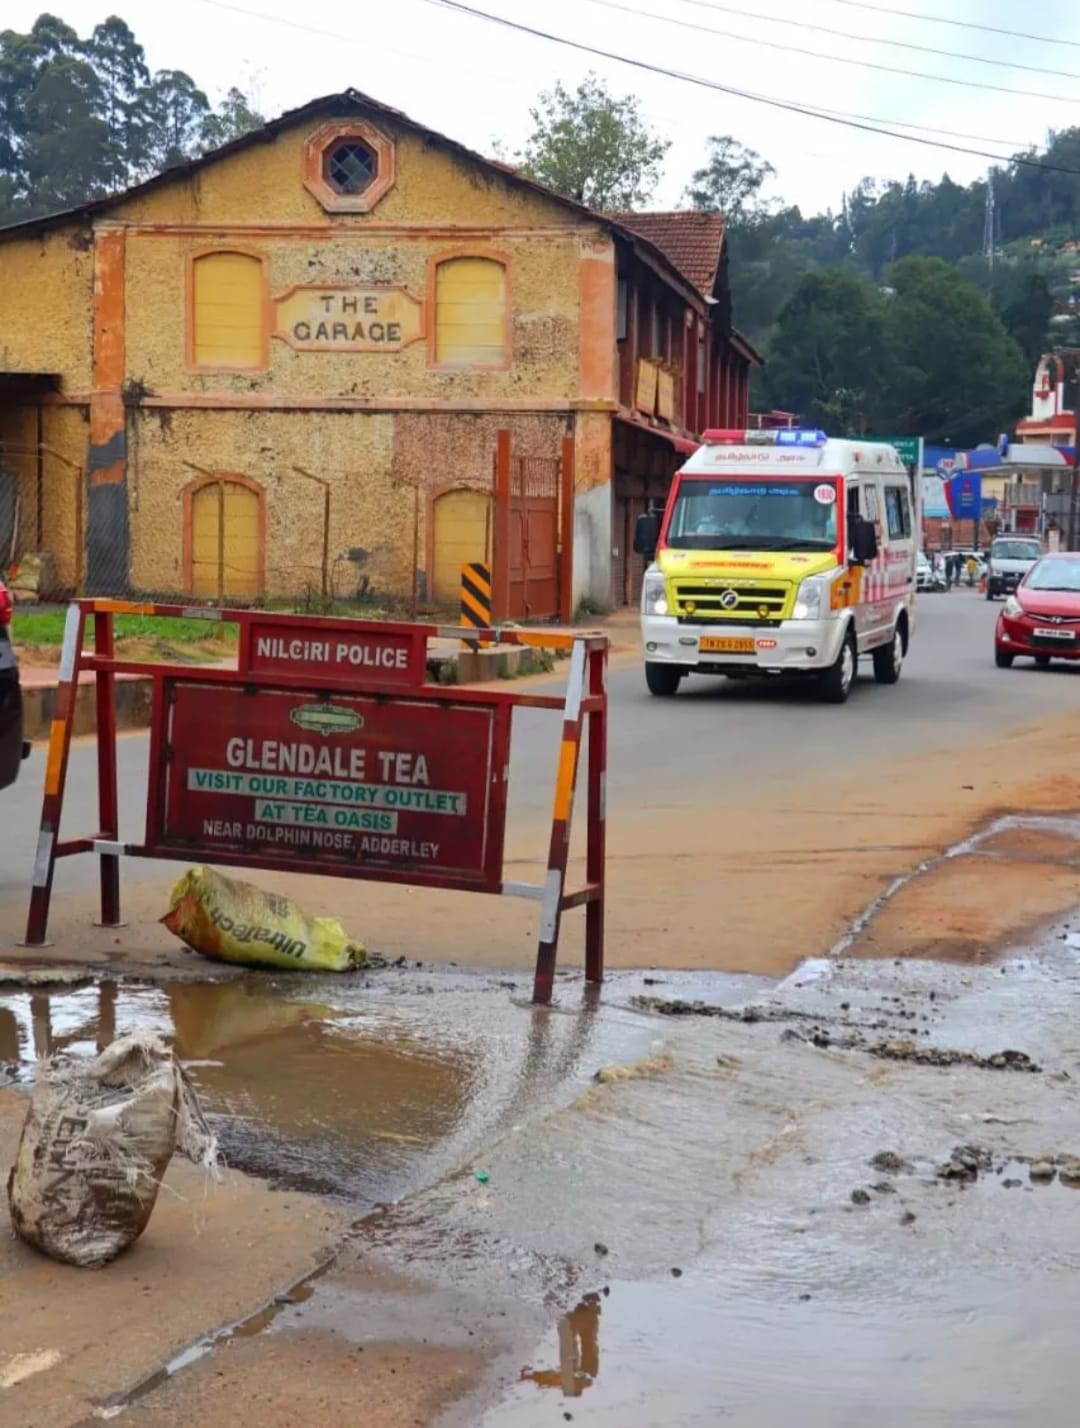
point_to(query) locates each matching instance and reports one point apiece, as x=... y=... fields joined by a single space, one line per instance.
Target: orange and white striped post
x=551 y=905
x=56 y=763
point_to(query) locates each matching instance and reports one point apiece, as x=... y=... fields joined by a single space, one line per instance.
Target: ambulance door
x=868 y=612
x=900 y=553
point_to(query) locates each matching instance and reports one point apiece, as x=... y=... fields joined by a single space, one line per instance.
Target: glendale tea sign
x=407 y=785
x=326 y=752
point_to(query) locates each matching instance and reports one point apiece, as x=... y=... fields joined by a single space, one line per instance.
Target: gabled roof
x=693 y=240
x=343 y=106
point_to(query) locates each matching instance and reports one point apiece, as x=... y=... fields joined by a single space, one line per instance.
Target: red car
x=1042 y=619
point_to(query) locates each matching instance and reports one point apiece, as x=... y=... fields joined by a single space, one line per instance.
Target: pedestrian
x=948 y=572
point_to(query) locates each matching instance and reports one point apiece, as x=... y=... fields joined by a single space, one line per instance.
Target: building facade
x=286 y=366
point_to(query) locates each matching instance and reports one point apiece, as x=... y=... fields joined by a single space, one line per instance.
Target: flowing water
x=699 y=1236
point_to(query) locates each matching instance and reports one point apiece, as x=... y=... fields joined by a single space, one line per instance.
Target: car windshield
x=1054 y=573
x=766 y=515
x=1015 y=550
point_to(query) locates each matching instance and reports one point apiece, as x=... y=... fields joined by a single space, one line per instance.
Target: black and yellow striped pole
x=475 y=598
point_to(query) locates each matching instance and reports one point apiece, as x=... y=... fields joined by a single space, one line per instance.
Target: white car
x=927 y=576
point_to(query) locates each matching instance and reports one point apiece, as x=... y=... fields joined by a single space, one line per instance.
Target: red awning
x=685 y=445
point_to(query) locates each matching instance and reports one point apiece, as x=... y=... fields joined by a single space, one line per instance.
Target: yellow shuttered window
x=227 y=311
x=470 y=312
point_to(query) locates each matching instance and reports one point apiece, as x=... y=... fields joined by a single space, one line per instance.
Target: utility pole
x=990 y=224
x=1071 y=533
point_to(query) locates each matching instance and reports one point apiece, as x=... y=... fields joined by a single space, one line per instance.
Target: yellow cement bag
x=231 y=921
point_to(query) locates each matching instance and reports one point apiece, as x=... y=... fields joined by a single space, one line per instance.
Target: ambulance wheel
x=889 y=659
x=834 y=685
x=663 y=679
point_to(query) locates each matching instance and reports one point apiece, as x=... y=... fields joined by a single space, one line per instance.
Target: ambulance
x=780 y=553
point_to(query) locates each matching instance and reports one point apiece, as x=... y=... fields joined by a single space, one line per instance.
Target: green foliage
x=83 y=118
x=927 y=354
x=730 y=182
x=234 y=118
x=955 y=374
x=827 y=356
x=592 y=147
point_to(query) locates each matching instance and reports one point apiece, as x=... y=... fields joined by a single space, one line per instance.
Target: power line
x=958 y=24
x=772 y=102
x=839 y=59
x=863 y=39
x=323 y=33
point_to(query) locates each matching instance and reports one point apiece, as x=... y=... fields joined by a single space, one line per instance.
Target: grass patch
x=46 y=627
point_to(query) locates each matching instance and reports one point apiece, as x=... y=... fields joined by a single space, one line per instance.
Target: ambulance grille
x=753 y=603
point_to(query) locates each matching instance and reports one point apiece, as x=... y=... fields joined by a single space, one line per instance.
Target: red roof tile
x=690 y=239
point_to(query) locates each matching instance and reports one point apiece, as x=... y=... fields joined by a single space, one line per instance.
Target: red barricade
x=325 y=751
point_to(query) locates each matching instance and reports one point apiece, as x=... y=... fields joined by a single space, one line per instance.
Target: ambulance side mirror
x=647 y=534
x=864 y=547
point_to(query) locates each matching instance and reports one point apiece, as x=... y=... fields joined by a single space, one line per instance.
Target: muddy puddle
x=357 y=1090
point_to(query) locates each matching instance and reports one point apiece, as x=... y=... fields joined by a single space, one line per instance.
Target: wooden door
x=462 y=535
x=225 y=542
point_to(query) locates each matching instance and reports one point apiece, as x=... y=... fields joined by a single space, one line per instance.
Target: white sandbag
x=97 y=1139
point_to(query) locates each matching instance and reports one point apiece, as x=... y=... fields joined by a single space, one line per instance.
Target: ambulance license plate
x=725 y=644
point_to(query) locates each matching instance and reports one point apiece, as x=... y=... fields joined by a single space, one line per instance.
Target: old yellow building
x=286 y=365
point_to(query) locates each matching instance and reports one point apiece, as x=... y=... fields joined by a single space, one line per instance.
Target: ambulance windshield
x=761 y=515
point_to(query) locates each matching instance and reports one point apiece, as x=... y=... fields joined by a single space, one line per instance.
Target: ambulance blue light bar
x=784 y=436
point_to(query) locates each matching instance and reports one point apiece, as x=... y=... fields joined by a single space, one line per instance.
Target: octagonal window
x=350 y=167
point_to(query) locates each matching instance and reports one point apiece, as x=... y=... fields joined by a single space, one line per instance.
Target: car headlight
x=1013 y=607
x=654 y=594
x=808 y=601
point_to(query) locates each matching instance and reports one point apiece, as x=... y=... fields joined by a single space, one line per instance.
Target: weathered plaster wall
x=46 y=293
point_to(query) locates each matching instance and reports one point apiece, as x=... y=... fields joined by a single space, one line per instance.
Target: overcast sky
x=474 y=80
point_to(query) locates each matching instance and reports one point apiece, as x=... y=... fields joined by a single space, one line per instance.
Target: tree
x=176 y=111
x=1025 y=304
x=956 y=373
x=234 y=117
x=731 y=180
x=120 y=66
x=593 y=147
x=828 y=357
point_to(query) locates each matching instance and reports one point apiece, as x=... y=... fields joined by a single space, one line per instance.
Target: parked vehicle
x=13 y=748
x=928 y=576
x=1011 y=557
x=780 y=553
x=1042 y=618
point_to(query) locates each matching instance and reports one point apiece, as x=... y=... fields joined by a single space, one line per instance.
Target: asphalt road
x=687 y=752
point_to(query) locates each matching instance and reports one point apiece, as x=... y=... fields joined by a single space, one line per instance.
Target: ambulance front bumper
x=791 y=647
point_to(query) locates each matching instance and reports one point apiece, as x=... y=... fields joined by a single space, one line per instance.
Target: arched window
x=470 y=313
x=228 y=311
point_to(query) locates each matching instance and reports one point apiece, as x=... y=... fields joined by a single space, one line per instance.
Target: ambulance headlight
x=810 y=598
x=655 y=594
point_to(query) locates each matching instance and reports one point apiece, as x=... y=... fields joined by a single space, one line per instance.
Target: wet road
x=700 y=1236
x=716 y=735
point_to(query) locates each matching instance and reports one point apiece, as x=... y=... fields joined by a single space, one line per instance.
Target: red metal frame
x=584 y=709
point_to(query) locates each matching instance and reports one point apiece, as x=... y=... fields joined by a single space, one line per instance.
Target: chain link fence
x=386 y=541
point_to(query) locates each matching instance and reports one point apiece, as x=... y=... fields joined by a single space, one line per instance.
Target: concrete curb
x=486 y=666
x=132 y=706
